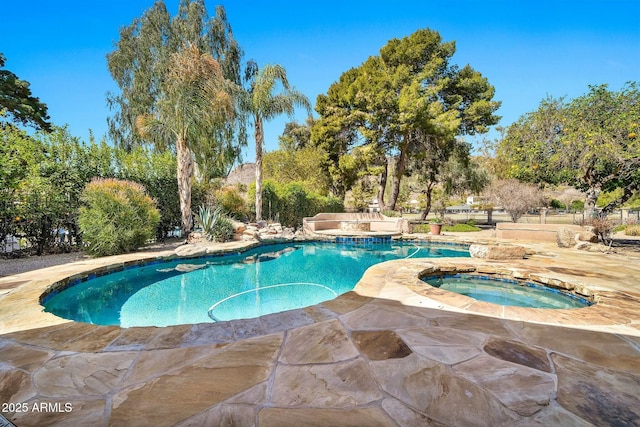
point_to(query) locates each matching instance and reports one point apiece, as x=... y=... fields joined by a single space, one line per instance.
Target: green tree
x=18 y=102
x=17 y=152
x=264 y=104
x=140 y=64
x=296 y=136
x=591 y=142
x=196 y=100
x=407 y=99
x=300 y=165
x=447 y=163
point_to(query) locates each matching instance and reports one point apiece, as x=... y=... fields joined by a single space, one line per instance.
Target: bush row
x=289 y=203
x=42 y=177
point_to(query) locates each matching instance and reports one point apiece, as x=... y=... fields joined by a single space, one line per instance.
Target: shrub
x=290 y=203
x=390 y=213
x=461 y=228
x=601 y=227
x=215 y=224
x=577 y=205
x=118 y=216
x=632 y=230
x=556 y=204
x=420 y=228
x=231 y=201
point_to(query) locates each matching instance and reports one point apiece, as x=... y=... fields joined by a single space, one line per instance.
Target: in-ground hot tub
x=507 y=292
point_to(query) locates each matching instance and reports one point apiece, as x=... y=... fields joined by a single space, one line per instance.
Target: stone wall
x=533 y=232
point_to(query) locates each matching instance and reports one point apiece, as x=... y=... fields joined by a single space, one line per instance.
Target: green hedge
x=290 y=203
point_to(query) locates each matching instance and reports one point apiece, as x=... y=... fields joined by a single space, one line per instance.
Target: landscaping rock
x=566 y=238
x=251 y=232
x=196 y=237
x=191 y=250
x=497 y=252
x=240 y=227
x=587 y=236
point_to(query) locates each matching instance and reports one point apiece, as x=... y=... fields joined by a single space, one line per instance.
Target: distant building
x=477 y=200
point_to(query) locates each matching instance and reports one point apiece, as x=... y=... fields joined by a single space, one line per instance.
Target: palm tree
x=265 y=105
x=196 y=100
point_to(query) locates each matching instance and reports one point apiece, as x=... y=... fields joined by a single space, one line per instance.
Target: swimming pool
x=507 y=292
x=263 y=280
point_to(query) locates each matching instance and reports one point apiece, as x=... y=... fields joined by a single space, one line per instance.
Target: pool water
x=507 y=292
x=264 y=280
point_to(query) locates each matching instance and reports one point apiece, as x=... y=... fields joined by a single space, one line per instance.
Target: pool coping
x=398 y=280
x=379 y=355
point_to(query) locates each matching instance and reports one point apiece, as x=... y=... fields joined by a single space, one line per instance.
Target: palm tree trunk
x=259 y=136
x=185 y=172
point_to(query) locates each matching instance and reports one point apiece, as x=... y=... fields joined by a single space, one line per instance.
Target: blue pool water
x=260 y=281
x=507 y=292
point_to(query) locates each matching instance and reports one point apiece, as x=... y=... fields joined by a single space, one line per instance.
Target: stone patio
x=393 y=352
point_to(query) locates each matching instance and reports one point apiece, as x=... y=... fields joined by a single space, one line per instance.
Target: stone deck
x=391 y=353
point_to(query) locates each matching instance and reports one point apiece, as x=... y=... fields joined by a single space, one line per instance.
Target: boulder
x=250 y=232
x=587 y=236
x=196 y=237
x=191 y=250
x=240 y=227
x=566 y=237
x=497 y=251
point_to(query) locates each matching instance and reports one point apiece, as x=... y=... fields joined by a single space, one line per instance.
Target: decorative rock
x=195 y=237
x=497 y=252
x=587 y=236
x=240 y=227
x=251 y=232
x=191 y=250
x=583 y=246
x=566 y=237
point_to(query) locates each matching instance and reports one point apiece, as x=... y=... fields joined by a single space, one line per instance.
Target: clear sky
x=527 y=49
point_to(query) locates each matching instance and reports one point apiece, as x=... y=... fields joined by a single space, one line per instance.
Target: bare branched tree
x=515 y=197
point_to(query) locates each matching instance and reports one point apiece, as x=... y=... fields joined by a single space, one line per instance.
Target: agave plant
x=216 y=226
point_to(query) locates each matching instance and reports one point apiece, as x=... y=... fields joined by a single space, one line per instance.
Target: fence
x=621 y=216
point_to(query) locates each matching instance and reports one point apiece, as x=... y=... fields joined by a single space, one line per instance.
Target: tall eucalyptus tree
x=196 y=98
x=140 y=64
x=143 y=66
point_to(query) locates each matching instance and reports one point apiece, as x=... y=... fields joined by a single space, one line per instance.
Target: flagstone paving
x=394 y=352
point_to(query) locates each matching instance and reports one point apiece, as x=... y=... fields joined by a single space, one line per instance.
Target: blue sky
x=527 y=49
